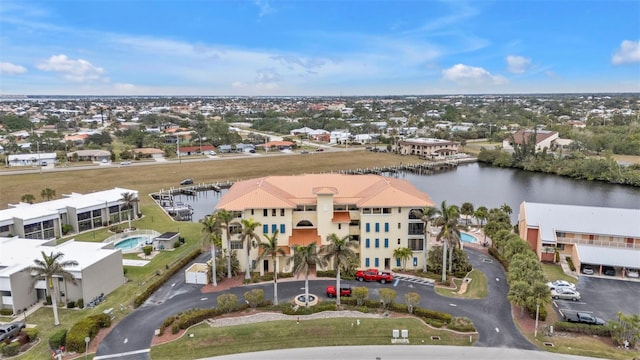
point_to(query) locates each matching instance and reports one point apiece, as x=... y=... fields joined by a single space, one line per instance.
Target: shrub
x=570 y=263
x=66 y=228
x=6 y=312
x=140 y=299
x=32 y=333
x=80 y=303
x=71 y=304
x=227 y=302
x=386 y=297
x=86 y=327
x=600 y=330
x=175 y=328
x=57 y=339
x=254 y=297
x=167 y=322
x=360 y=294
x=461 y=324
x=326 y=273
x=147 y=250
x=432 y=314
x=11 y=350
x=48 y=300
x=177 y=244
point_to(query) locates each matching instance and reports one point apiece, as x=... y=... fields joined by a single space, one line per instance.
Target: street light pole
x=535 y=332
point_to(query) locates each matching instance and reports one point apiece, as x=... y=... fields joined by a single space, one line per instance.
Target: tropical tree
x=403 y=254
x=28 y=198
x=211 y=234
x=427 y=215
x=48 y=193
x=467 y=210
x=248 y=236
x=481 y=214
x=506 y=208
x=449 y=233
x=339 y=251
x=225 y=218
x=128 y=199
x=303 y=258
x=46 y=269
x=271 y=249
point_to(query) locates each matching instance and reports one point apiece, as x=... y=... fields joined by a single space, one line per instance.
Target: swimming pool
x=468 y=238
x=132 y=243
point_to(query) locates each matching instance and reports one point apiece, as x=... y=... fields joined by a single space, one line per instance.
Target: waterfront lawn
x=208 y=341
x=476 y=289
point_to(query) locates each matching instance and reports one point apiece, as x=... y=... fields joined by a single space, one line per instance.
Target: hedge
x=32 y=333
x=140 y=299
x=600 y=330
x=57 y=339
x=12 y=349
x=89 y=326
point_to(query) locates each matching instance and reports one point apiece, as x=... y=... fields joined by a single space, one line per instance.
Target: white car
x=565 y=293
x=561 y=284
x=632 y=273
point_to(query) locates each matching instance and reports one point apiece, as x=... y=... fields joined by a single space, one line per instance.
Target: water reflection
x=487 y=186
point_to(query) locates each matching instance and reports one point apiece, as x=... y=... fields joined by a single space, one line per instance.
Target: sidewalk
x=238 y=280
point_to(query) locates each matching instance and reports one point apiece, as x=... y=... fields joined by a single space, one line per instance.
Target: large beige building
x=99 y=271
x=373 y=210
x=427 y=147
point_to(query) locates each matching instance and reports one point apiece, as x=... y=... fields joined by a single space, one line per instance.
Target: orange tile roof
x=304 y=237
x=341 y=217
x=286 y=192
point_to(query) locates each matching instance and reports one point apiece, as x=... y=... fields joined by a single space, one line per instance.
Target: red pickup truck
x=344 y=291
x=374 y=275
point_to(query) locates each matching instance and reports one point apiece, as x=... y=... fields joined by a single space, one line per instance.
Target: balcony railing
x=606 y=243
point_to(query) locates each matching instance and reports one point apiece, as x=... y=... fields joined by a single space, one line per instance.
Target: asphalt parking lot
x=604 y=297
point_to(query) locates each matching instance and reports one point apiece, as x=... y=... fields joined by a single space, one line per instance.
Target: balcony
x=605 y=243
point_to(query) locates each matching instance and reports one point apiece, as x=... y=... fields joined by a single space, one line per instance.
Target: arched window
x=304 y=223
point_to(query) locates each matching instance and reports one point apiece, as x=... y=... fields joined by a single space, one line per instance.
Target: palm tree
x=48 y=193
x=339 y=251
x=426 y=215
x=271 y=249
x=211 y=233
x=128 y=199
x=449 y=233
x=467 y=210
x=303 y=257
x=403 y=254
x=506 y=208
x=225 y=217
x=248 y=235
x=46 y=269
x=481 y=214
x=28 y=198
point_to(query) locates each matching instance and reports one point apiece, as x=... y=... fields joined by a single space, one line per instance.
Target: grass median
x=207 y=341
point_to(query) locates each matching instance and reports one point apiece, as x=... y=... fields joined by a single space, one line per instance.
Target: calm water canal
x=490 y=187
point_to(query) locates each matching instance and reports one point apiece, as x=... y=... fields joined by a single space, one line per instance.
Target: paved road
x=405 y=352
x=131 y=338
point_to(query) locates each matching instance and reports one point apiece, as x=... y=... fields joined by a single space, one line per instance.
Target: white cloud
x=472 y=75
x=7 y=68
x=75 y=70
x=629 y=52
x=265 y=7
x=517 y=64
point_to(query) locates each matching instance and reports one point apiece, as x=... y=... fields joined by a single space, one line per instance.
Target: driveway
x=604 y=297
x=131 y=337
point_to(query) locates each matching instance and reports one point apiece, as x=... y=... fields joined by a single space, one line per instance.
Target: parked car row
x=588 y=269
x=382 y=277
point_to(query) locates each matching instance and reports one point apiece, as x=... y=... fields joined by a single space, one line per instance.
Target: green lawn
x=553 y=272
x=476 y=289
x=208 y=341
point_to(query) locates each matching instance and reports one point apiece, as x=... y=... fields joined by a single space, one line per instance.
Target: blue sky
x=318 y=47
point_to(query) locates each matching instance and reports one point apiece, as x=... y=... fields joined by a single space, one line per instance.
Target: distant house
x=427 y=147
x=90 y=155
x=543 y=139
x=278 y=145
x=31 y=159
x=225 y=149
